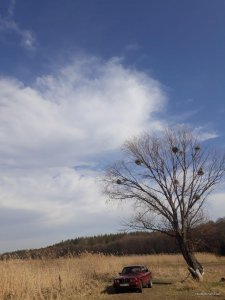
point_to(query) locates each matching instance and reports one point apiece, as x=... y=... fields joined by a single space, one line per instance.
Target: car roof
x=134 y=266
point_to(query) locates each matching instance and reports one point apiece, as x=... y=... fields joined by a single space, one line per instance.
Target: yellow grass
x=89 y=274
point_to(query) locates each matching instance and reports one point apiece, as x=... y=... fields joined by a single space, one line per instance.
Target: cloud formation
x=55 y=135
x=8 y=24
x=84 y=110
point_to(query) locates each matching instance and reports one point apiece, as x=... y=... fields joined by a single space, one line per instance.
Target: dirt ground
x=165 y=291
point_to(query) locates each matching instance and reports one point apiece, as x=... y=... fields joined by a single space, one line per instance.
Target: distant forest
x=208 y=237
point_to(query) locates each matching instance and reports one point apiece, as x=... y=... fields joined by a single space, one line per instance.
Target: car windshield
x=130 y=270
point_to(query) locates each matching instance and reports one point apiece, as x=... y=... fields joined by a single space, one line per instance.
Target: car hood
x=128 y=276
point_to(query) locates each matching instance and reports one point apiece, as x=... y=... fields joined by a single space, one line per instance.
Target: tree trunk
x=194 y=267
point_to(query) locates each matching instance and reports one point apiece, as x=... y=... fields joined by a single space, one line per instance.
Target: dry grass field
x=89 y=277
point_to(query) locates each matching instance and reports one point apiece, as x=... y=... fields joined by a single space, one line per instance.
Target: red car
x=133 y=278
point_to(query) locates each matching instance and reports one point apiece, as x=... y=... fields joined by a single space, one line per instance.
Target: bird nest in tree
x=196 y=197
x=138 y=162
x=176 y=182
x=200 y=172
x=175 y=149
x=197 y=148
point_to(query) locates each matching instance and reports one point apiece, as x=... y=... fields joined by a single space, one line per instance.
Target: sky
x=77 y=79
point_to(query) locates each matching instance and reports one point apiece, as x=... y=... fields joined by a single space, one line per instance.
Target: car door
x=145 y=275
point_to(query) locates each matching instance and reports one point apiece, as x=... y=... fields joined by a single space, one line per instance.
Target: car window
x=126 y=271
x=130 y=270
x=144 y=269
x=136 y=270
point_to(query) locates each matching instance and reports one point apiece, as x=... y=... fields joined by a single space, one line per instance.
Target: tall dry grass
x=89 y=274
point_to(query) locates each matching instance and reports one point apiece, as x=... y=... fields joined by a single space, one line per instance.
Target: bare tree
x=168 y=177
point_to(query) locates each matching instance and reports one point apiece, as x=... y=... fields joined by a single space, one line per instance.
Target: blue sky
x=77 y=78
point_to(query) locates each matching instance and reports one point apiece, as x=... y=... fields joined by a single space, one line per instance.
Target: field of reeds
x=90 y=275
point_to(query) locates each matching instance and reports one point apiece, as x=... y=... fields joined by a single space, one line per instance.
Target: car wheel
x=150 y=284
x=140 y=287
x=117 y=290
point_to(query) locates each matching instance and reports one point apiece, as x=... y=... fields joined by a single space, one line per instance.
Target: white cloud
x=216 y=204
x=11 y=8
x=81 y=112
x=204 y=134
x=8 y=24
x=47 y=205
x=85 y=109
x=133 y=47
x=57 y=195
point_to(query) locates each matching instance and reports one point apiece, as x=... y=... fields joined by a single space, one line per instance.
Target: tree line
x=207 y=237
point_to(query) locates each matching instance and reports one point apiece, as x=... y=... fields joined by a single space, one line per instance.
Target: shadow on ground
x=111 y=291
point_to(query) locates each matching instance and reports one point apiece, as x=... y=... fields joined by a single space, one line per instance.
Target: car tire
x=117 y=290
x=150 y=284
x=140 y=287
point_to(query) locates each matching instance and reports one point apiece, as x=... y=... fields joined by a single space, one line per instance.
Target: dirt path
x=161 y=292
